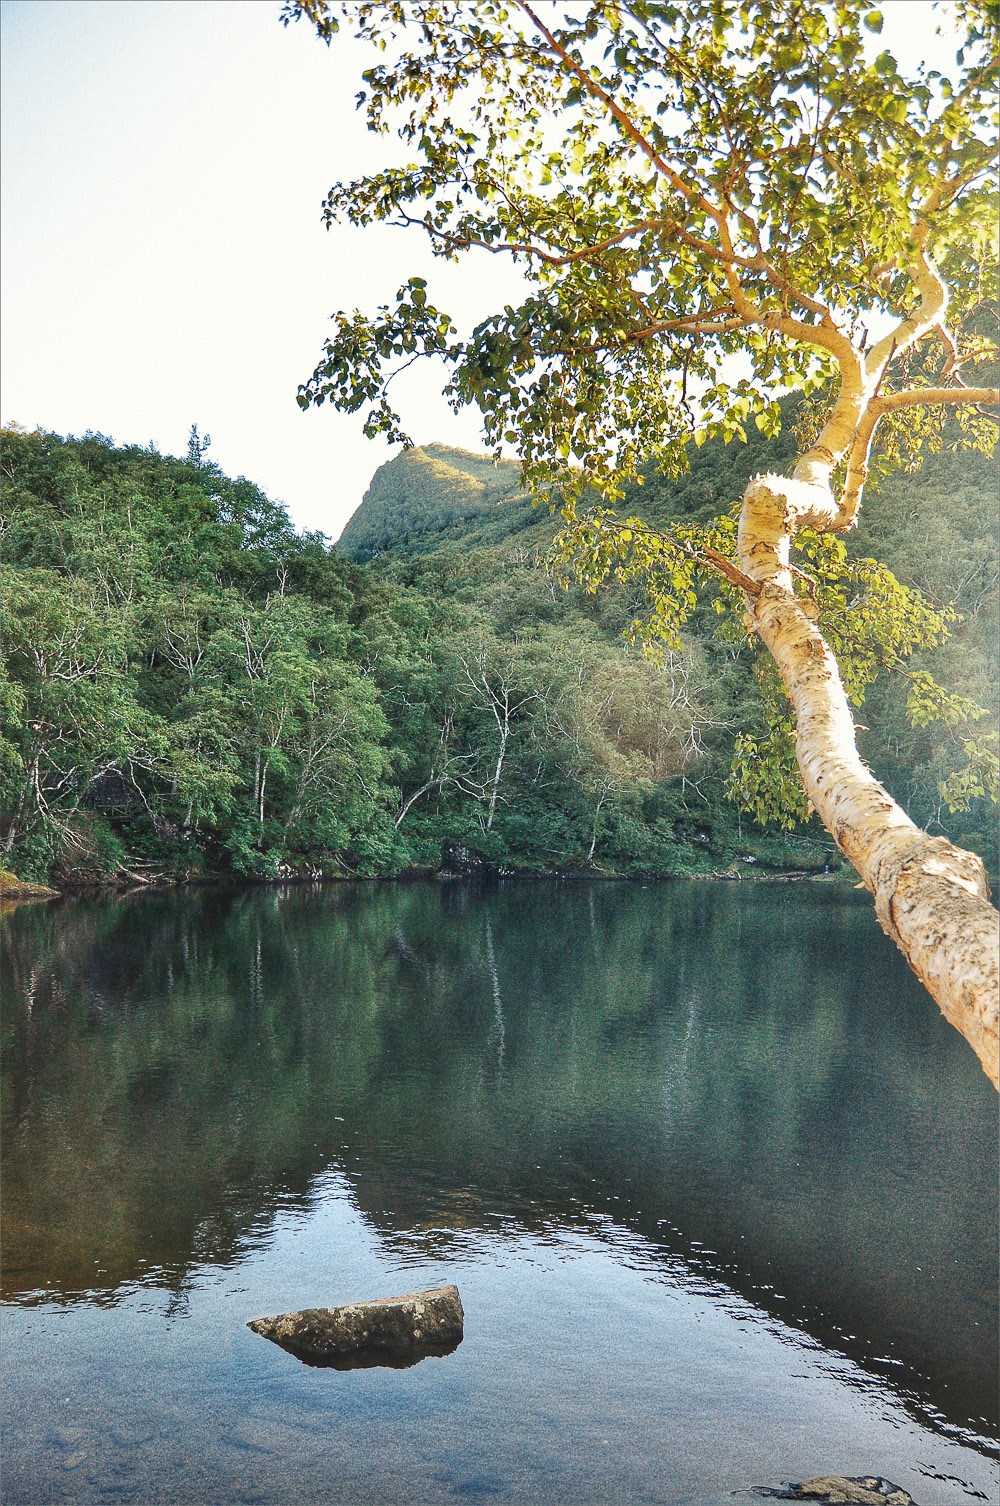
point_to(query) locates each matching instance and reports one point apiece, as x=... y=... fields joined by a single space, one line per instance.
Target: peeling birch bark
x=931 y=897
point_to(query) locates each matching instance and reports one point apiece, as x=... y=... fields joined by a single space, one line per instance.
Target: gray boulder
x=388 y=1330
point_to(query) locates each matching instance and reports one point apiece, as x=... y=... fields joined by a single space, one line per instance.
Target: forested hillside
x=191 y=687
x=431 y=493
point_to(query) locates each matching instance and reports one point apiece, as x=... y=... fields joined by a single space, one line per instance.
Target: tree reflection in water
x=745 y=1076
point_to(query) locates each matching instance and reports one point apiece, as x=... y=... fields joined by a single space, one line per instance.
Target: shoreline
x=20 y=892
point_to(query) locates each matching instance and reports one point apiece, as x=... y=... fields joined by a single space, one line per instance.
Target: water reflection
x=373 y=1359
x=744 y=1077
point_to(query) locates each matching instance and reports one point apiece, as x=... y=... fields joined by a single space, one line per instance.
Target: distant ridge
x=431 y=494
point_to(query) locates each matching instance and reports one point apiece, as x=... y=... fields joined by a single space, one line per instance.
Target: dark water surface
x=716 y=1182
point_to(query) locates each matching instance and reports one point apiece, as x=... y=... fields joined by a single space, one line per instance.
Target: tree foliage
x=681 y=185
x=190 y=686
x=710 y=204
x=178 y=681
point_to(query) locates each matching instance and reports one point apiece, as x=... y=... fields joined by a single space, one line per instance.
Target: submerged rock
x=857 y=1490
x=388 y=1330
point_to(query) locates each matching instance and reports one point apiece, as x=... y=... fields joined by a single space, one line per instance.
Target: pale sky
x=164 y=262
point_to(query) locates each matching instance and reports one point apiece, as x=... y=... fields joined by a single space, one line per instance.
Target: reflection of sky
x=591 y=1371
x=692 y=1124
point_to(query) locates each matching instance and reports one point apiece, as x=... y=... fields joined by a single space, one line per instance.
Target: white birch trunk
x=504 y=734
x=931 y=898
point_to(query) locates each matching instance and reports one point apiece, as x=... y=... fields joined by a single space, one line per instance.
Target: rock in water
x=397 y=1329
x=860 y=1490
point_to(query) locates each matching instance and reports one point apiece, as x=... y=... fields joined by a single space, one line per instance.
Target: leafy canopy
x=711 y=202
x=681 y=184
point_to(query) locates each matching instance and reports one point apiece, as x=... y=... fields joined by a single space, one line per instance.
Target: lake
x=716 y=1182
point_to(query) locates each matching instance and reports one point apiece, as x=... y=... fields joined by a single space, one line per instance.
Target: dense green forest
x=192 y=687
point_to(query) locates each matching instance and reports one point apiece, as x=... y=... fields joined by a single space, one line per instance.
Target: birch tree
x=711 y=202
x=500 y=686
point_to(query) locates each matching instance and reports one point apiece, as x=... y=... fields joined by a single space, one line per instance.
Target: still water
x=716 y=1182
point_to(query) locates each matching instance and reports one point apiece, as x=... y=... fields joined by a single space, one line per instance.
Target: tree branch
x=890 y=402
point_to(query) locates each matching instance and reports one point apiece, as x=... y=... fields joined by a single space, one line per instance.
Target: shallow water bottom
x=715 y=1180
x=595 y=1368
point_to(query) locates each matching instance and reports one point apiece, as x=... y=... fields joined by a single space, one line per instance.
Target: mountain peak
x=421 y=493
